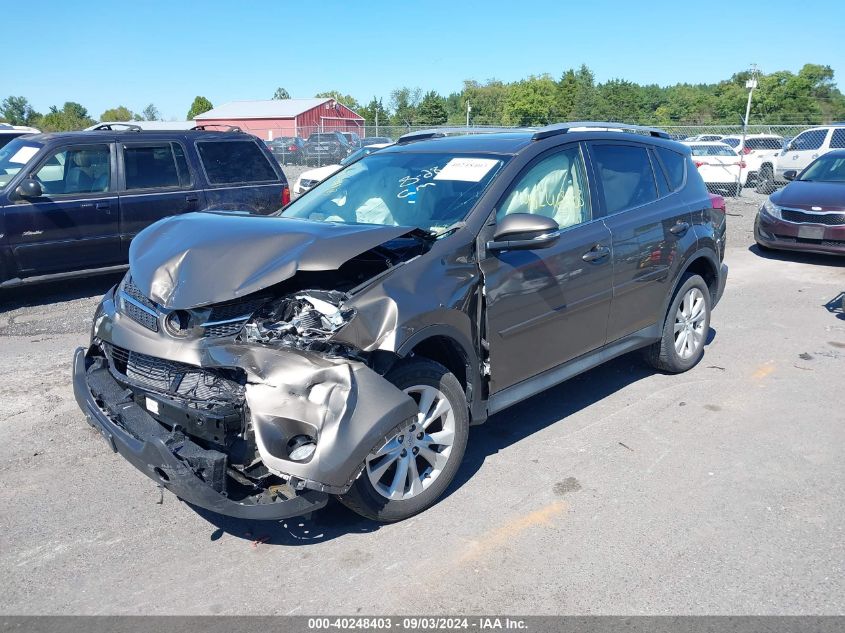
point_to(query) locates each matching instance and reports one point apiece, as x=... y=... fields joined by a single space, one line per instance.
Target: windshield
x=428 y=191
x=13 y=156
x=711 y=150
x=733 y=142
x=826 y=169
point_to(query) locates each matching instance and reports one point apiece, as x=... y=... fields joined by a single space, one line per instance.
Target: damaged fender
x=344 y=404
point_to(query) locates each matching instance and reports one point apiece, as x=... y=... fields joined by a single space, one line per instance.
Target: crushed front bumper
x=169 y=458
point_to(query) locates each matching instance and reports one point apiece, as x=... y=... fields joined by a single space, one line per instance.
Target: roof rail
x=109 y=127
x=229 y=128
x=454 y=131
x=563 y=128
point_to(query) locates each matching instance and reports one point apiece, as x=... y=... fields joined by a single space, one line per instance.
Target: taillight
x=741 y=164
x=746 y=150
x=286 y=196
x=699 y=163
x=291 y=148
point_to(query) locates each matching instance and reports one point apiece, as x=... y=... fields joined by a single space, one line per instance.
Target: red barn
x=285 y=117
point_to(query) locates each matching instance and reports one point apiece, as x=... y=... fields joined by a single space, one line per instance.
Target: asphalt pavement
x=623 y=491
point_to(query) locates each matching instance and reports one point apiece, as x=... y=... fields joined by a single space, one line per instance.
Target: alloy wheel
x=689 y=323
x=410 y=461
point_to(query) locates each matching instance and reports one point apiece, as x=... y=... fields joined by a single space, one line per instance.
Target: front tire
x=407 y=473
x=685 y=328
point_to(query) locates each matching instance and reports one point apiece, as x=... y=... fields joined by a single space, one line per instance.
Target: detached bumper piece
x=171 y=459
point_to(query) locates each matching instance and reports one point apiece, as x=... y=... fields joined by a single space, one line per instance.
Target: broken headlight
x=301 y=320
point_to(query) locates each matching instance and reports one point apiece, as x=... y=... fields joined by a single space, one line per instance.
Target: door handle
x=192 y=199
x=680 y=228
x=102 y=206
x=597 y=253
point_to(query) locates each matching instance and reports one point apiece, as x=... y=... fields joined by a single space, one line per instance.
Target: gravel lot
x=622 y=491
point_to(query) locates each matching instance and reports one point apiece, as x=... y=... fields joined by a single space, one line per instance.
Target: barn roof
x=269 y=109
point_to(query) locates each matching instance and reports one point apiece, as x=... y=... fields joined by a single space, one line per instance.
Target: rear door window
x=231 y=162
x=626 y=176
x=763 y=143
x=154 y=166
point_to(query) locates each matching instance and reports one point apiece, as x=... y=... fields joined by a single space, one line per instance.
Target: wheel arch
x=702 y=262
x=453 y=350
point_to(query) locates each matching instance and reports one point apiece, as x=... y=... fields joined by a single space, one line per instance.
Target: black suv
x=256 y=365
x=70 y=203
x=326 y=148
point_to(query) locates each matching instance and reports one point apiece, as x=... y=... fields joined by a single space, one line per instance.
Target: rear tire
x=765 y=180
x=407 y=473
x=685 y=328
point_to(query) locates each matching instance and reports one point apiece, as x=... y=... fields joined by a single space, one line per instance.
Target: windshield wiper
x=449 y=229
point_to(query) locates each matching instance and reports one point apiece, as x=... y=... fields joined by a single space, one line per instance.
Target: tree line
x=782 y=97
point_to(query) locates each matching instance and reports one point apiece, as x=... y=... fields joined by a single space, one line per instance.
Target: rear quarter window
x=230 y=162
x=675 y=167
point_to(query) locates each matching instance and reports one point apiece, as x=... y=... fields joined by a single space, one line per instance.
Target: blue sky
x=102 y=55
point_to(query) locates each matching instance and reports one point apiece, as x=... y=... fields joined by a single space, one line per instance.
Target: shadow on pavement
x=800 y=257
x=56 y=291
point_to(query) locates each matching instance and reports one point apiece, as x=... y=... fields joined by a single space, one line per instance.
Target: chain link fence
x=750 y=163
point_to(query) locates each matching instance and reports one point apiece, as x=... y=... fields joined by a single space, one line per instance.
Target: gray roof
x=269 y=109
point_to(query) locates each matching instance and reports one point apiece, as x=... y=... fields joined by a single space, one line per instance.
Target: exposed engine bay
x=302 y=321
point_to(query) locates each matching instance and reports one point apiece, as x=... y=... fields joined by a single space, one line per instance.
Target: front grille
x=133 y=291
x=136 y=313
x=236 y=313
x=140 y=316
x=172 y=377
x=828 y=219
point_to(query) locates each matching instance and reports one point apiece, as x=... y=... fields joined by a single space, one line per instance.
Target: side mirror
x=524 y=231
x=790 y=174
x=29 y=188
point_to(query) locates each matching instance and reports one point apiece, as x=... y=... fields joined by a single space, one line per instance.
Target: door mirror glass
x=524 y=231
x=790 y=174
x=29 y=188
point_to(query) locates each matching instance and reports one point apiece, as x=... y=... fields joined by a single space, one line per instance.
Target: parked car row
x=320 y=148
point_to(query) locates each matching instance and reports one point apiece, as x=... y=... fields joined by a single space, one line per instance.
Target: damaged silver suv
x=256 y=365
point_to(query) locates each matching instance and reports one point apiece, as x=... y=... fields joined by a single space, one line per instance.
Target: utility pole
x=469 y=109
x=750 y=84
x=376 y=120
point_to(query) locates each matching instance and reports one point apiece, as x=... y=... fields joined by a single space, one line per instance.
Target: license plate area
x=811 y=232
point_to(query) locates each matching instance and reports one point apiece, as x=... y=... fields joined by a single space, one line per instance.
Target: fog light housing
x=301 y=448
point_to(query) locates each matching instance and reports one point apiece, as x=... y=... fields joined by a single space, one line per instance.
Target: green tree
x=403 y=103
x=150 y=113
x=72 y=116
x=532 y=101
x=120 y=113
x=18 y=111
x=487 y=101
x=281 y=93
x=200 y=105
x=348 y=100
x=375 y=106
x=432 y=109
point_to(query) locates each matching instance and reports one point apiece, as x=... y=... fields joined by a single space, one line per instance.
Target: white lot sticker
x=152 y=405
x=466 y=169
x=23 y=155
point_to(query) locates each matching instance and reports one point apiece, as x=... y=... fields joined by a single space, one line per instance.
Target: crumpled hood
x=197 y=259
